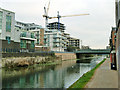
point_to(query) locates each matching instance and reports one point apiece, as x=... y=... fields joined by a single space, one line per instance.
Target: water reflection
x=57 y=76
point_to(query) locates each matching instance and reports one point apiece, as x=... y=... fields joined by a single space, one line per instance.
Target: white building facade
x=55 y=40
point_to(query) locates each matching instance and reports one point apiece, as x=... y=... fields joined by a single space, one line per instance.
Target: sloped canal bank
x=54 y=76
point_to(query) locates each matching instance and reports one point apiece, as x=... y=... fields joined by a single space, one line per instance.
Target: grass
x=82 y=81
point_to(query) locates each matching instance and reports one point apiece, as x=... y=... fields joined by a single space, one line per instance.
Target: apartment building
x=56 y=26
x=54 y=40
x=16 y=36
x=66 y=41
x=74 y=42
x=27 y=38
x=35 y=29
x=7 y=31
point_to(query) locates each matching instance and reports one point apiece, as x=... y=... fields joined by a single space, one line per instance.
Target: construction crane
x=58 y=16
x=46 y=14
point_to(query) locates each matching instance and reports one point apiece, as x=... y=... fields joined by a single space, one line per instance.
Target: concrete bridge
x=93 y=51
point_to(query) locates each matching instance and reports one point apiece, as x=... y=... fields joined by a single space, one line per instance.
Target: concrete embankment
x=66 y=56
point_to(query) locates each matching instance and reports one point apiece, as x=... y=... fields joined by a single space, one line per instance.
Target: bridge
x=93 y=51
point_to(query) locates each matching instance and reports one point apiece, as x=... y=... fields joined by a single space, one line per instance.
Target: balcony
x=56 y=41
x=27 y=36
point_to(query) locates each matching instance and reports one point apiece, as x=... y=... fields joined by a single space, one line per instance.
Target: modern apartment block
x=74 y=42
x=7 y=31
x=56 y=26
x=54 y=40
x=14 y=38
x=27 y=38
x=37 y=30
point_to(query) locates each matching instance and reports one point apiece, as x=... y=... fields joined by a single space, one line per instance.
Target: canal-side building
x=26 y=40
x=7 y=31
x=55 y=37
x=74 y=42
x=54 y=40
x=14 y=38
x=38 y=32
x=56 y=26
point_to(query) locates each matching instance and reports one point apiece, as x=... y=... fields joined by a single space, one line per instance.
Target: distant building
x=85 y=47
x=74 y=42
x=56 y=26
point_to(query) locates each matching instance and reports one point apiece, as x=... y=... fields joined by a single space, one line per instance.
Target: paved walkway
x=104 y=77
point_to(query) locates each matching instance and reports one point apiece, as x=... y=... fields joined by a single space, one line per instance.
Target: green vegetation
x=82 y=81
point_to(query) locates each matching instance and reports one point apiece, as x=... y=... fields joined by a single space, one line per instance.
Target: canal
x=55 y=76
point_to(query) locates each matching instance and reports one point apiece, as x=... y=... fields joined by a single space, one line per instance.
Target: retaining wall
x=66 y=56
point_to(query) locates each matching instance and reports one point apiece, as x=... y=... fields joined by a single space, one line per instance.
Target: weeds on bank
x=82 y=81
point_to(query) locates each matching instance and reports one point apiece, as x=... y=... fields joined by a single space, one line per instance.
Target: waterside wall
x=66 y=56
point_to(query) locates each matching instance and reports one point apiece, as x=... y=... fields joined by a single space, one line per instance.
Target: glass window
x=8 y=39
x=23 y=34
x=32 y=44
x=32 y=35
x=8 y=23
x=23 y=43
x=37 y=41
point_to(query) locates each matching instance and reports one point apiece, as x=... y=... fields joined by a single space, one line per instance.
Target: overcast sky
x=94 y=29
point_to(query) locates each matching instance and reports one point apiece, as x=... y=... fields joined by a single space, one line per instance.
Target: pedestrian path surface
x=104 y=77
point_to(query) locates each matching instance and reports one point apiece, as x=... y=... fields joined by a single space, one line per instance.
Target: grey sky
x=93 y=30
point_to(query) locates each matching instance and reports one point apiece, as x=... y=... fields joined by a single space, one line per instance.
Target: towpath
x=104 y=77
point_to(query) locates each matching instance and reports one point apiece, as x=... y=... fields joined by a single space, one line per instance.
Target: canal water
x=55 y=76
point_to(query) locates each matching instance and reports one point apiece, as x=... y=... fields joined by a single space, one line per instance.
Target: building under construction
x=55 y=25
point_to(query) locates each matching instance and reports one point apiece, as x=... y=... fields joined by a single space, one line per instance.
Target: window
x=23 y=34
x=32 y=44
x=8 y=39
x=37 y=41
x=1 y=14
x=23 y=43
x=8 y=23
x=32 y=35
